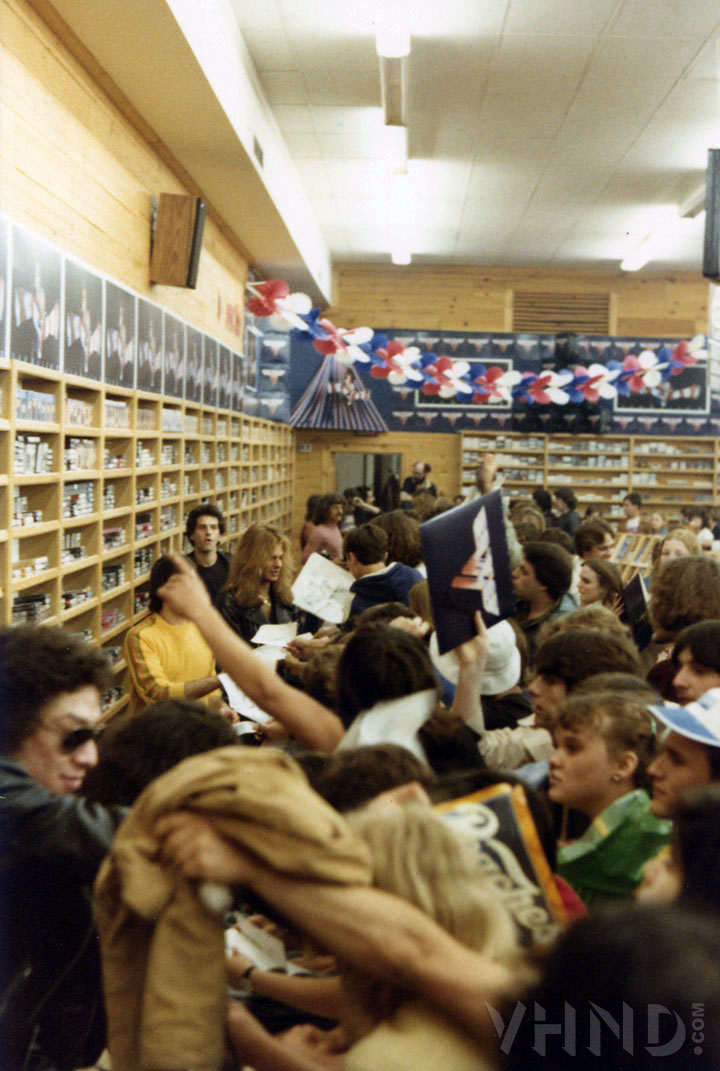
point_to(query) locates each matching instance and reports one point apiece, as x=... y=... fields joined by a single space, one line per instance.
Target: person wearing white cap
x=690 y=754
x=504 y=700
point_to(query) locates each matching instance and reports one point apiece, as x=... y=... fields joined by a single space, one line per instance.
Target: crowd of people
x=356 y=829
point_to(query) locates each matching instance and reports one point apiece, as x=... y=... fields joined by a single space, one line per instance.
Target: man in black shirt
x=204 y=526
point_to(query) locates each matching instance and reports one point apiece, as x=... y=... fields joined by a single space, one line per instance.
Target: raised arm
x=379 y=933
x=309 y=721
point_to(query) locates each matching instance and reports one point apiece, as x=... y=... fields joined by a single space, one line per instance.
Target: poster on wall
x=174 y=363
x=193 y=379
x=253 y=345
x=150 y=347
x=120 y=308
x=224 y=378
x=83 y=322
x=210 y=383
x=238 y=382
x=35 y=324
x=4 y=288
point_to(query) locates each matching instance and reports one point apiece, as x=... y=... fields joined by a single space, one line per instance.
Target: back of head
x=354 y=777
x=557 y=535
x=137 y=749
x=697 y=847
x=383 y=614
x=552 y=565
x=379 y=663
x=684 y=591
x=368 y=543
x=632 y=978
x=403 y=536
x=160 y=573
x=577 y=654
x=594 y=616
x=542 y=499
x=38 y=663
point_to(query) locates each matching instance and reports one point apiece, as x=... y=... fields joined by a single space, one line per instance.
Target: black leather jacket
x=246 y=620
x=50 y=986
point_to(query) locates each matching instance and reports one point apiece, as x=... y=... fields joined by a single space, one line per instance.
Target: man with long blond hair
x=257 y=591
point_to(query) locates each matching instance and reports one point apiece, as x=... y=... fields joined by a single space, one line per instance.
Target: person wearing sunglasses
x=52 y=842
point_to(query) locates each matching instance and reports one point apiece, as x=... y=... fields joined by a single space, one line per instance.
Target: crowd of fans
x=382 y=824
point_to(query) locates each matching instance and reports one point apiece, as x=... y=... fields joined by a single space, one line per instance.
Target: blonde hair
x=249 y=560
x=417 y=856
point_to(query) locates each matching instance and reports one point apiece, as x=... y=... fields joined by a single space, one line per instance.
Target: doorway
x=380 y=472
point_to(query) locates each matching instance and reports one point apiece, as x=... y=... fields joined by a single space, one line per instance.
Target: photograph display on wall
x=35 y=321
x=83 y=322
x=150 y=348
x=253 y=345
x=210 y=382
x=224 y=378
x=4 y=288
x=174 y=356
x=60 y=313
x=238 y=382
x=193 y=378
x=119 y=336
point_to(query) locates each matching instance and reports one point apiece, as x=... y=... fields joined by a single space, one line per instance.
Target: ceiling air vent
x=585 y=314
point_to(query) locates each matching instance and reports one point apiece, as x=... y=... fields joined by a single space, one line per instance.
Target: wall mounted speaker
x=177 y=240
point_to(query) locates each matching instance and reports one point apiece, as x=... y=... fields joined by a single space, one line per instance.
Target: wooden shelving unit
x=96 y=483
x=668 y=473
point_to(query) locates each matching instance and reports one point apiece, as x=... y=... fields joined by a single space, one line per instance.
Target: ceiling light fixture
x=392 y=30
x=396 y=147
x=659 y=241
x=400 y=254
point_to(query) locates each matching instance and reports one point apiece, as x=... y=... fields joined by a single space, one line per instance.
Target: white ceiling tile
x=558 y=17
x=328 y=120
x=284 y=87
x=294 y=118
x=657 y=18
x=549 y=144
x=301 y=145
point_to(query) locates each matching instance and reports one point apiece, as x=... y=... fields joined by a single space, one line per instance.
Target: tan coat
x=163 y=952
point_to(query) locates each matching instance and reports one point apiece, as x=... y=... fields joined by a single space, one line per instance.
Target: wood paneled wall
x=315 y=461
x=480 y=299
x=80 y=168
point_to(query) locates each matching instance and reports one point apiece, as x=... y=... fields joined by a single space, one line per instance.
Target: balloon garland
x=467 y=382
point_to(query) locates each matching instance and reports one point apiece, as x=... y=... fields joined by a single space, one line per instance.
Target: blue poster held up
x=468 y=568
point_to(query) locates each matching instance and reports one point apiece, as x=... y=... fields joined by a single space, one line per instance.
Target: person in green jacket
x=604 y=743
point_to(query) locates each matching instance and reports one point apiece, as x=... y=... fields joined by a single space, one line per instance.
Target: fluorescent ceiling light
x=395 y=145
x=392 y=31
x=400 y=255
x=659 y=241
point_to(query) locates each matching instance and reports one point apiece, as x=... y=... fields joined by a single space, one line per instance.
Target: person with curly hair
x=52 y=842
x=685 y=590
x=258 y=585
x=325 y=536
